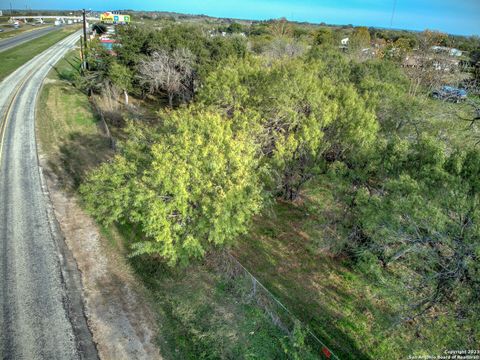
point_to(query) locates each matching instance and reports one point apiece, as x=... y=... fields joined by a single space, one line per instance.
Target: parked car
x=450 y=93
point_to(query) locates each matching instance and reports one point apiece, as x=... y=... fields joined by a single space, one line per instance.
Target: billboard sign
x=109 y=18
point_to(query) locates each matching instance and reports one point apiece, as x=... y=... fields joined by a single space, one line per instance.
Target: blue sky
x=453 y=16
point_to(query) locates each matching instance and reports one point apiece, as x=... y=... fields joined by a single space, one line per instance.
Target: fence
x=278 y=313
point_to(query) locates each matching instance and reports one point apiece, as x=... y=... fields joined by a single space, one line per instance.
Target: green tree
x=300 y=116
x=187 y=188
x=234 y=28
x=360 y=38
x=323 y=36
x=121 y=77
x=420 y=214
x=386 y=88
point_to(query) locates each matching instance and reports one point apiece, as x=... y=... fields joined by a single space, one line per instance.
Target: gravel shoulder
x=122 y=324
x=118 y=313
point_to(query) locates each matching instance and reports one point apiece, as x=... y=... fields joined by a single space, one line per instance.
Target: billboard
x=110 y=18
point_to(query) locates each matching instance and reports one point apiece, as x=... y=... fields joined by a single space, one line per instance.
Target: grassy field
x=19 y=55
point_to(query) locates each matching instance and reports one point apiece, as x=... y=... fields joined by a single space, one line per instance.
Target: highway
x=40 y=314
x=9 y=43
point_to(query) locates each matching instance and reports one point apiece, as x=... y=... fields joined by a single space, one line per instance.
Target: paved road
x=38 y=315
x=9 y=43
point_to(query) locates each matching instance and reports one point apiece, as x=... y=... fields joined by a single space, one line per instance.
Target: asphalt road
x=9 y=43
x=40 y=317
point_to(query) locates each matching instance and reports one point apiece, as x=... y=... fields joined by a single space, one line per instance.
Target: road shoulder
x=118 y=313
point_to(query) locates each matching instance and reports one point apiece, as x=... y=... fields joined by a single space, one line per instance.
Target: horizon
x=459 y=18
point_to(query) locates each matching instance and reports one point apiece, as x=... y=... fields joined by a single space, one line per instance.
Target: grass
x=67 y=126
x=205 y=316
x=19 y=55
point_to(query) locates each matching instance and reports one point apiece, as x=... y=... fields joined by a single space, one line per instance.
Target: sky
x=452 y=16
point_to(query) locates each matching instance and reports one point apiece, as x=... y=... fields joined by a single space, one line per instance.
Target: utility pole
x=85 y=38
x=11 y=9
x=82 y=67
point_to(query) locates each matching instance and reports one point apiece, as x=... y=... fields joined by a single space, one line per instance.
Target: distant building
x=1 y=13
x=112 y=18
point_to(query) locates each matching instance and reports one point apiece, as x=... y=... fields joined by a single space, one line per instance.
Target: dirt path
x=121 y=321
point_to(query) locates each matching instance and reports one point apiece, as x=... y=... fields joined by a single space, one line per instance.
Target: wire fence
x=276 y=311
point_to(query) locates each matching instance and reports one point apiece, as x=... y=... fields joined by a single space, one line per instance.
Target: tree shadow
x=70 y=73
x=78 y=155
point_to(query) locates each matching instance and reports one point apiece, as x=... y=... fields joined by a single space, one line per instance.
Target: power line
x=393 y=12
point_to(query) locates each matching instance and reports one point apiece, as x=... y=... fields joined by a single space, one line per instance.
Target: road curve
x=24 y=37
x=36 y=317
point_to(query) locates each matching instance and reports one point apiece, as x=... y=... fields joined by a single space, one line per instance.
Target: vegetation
x=19 y=55
x=193 y=185
x=333 y=176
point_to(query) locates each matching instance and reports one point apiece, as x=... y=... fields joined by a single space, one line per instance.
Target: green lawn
x=19 y=55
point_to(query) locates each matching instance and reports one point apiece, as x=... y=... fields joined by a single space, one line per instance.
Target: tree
x=279 y=48
x=297 y=115
x=421 y=216
x=99 y=28
x=281 y=27
x=121 y=77
x=360 y=38
x=169 y=73
x=234 y=28
x=134 y=40
x=429 y=38
x=386 y=88
x=324 y=36
x=188 y=187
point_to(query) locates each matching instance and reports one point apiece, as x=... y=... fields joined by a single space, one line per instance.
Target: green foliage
x=418 y=209
x=235 y=28
x=141 y=41
x=299 y=115
x=121 y=76
x=295 y=347
x=188 y=188
x=386 y=89
x=360 y=38
x=324 y=36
